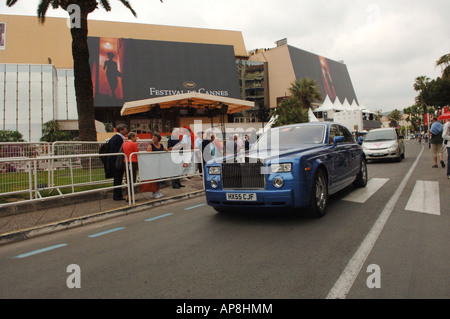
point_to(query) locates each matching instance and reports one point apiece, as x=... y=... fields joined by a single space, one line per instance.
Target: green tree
x=295 y=109
x=289 y=112
x=78 y=11
x=420 y=86
x=437 y=93
x=306 y=92
x=10 y=136
x=414 y=113
x=394 y=117
x=444 y=63
x=51 y=133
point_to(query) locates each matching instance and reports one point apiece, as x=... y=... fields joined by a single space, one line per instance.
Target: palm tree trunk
x=83 y=81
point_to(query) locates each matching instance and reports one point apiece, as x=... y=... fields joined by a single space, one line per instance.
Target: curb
x=67 y=224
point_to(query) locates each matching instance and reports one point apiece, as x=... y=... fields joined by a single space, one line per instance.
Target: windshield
x=289 y=137
x=384 y=135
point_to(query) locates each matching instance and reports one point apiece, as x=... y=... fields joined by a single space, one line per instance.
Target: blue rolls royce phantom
x=290 y=167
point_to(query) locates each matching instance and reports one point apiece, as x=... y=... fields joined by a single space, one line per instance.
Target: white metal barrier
x=48 y=177
x=42 y=177
x=24 y=149
x=157 y=167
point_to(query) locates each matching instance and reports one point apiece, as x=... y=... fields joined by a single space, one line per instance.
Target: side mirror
x=338 y=139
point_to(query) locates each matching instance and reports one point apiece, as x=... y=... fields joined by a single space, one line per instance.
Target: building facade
x=138 y=61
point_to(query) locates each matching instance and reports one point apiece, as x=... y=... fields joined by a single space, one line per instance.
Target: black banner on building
x=333 y=78
x=128 y=69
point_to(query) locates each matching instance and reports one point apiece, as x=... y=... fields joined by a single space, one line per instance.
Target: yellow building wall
x=281 y=72
x=30 y=42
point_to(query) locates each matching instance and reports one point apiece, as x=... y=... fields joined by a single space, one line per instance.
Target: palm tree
x=80 y=54
x=420 y=85
x=444 y=63
x=306 y=91
x=295 y=108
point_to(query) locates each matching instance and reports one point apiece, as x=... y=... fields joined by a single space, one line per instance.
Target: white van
x=384 y=143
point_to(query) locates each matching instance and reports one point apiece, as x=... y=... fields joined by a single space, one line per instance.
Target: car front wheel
x=362 y=177
x=319 y=195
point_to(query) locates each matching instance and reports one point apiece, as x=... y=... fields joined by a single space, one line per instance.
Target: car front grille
x=243 y=176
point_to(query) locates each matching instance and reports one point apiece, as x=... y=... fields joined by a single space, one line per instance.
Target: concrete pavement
x=28 y=220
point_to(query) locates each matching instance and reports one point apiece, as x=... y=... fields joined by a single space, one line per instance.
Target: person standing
x=156 y=146
x=172 y=144
x=198 y=151
x=436 y=142
x=206 y=156
x=446 y=137
x=116 y=143
x=128 y=148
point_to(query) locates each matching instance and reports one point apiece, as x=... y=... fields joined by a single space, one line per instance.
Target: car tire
x=362 y=177
x=319 y=195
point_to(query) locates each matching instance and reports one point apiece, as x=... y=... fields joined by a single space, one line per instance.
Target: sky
x=385 y=44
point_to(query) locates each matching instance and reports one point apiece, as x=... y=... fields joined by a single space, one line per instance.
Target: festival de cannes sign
x=154 y=92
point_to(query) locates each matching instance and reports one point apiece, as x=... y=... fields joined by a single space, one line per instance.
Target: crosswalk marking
x=425 y=198
x=361 y=195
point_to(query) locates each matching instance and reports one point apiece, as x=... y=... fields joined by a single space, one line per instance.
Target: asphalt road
x=371 y=248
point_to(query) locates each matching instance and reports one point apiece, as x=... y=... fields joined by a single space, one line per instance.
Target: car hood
x=267 y=154
x=379 y=144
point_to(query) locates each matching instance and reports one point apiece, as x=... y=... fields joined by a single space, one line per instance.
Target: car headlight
x=214 y=170
x=214 y=183
x=393 y=147
x=281 y=168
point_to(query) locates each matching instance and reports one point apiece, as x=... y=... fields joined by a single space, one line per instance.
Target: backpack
x=103 y=150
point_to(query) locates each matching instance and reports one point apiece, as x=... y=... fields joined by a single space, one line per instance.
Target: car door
x=353 y=153
x=338 y=158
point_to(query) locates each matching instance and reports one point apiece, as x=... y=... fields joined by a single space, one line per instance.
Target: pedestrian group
x=205 y=148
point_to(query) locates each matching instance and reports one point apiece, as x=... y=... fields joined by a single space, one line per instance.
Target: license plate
x=241 y=197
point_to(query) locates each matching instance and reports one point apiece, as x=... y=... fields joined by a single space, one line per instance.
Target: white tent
x=337 y=105
x=327 y=105
x=355 y=105
x=348 y=107
x=311 y=116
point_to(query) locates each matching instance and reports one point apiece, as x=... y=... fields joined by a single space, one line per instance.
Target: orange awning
x=187 y=100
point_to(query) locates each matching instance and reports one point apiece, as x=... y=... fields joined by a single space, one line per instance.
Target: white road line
x=351 y=271
x=425 y=198
x=361 y=195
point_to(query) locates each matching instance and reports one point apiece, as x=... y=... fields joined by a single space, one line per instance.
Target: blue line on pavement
x=106 y=232
x=157 y=217
x=34 y=252
x=192 y=207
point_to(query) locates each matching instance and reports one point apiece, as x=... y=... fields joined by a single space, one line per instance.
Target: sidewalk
x=29 y=220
